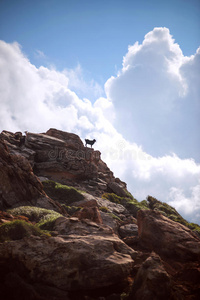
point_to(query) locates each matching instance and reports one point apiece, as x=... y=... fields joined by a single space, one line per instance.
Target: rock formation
x=70 y=230
x=62 y=157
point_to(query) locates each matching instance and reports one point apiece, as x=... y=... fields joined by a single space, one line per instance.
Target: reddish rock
x=6 y=217
x=90 y=213
x=152 y=281
x=86 y=203
x=18 y=185
x=71 y=140
x=85 y=257
x=166 y=237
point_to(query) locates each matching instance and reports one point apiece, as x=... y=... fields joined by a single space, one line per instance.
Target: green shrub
x=194 y=227
x=44 y=218
x=34 y=214
x=131 y=204
x=144 y=203
x=128 y=194
x=18 y=229
x=104 y=209
x=62 y=193
x=112 y=197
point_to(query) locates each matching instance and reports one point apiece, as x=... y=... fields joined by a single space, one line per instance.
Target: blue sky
x=95 y=34
x=123 y=72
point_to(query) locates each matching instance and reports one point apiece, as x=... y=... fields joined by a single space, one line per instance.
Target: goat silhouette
x=89 y=142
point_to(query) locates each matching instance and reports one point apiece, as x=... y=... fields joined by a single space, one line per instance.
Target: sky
x=123 y=72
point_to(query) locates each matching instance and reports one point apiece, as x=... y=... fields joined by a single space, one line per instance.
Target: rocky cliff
x=70 y=230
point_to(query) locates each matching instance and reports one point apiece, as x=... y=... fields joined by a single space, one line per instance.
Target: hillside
x=70 y=230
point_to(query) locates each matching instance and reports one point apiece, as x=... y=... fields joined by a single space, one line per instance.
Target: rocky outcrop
x=83 y=256
x=152 y=281
x=166 y=237
x=62 y=157
x=18 y=184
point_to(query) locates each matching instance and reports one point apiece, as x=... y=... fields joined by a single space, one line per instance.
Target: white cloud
x=150 y=91
x=156 y=96
x=39 y=54
x=87 y=89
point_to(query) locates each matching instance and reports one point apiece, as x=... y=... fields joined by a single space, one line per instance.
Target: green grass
x=18 y=229
x=130 y=203
x=104 y=209
x=44 y=218
x=62 y=193
x=112 y=197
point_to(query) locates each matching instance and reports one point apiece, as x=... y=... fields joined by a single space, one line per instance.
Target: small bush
x=104 y=209
x=144 y=203
x=62 y=193
x=112 y=197
x=34 y=214
x=18 y=229
x=131 y=204
x=44 y=218
x=128 y=194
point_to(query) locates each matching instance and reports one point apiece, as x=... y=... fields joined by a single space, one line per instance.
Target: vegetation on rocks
x=112 y=197
x=130 y=203
x=71 y=209
x=18 y=229
x=44 y=218
x=62 y=193
x=150 y=203
x=104 y=209
x=170 y=212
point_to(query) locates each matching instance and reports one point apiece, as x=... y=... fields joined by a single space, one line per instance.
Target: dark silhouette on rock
x=89 y=142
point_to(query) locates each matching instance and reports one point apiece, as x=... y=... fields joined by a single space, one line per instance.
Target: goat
x=89 y=142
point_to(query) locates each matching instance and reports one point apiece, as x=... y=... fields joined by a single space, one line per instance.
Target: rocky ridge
x=70 y=230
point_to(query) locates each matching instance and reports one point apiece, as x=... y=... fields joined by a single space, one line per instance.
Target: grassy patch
x=104 y=209
x=62 y=193
x=112 y=197
x=130 y=203
x=44 y=218
x=129 y=195
x=18 y=229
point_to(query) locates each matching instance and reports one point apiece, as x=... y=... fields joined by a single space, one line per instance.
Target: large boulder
x=152 y=281
x=71 y=140
x=84 y=256
x=128 y=230
x=166 y=237
x=116 y=188
x=18 y=185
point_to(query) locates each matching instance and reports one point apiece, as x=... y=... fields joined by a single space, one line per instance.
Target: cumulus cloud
x=156 y=96
x=86 y=89
x=146 y=101
x=168 y=178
